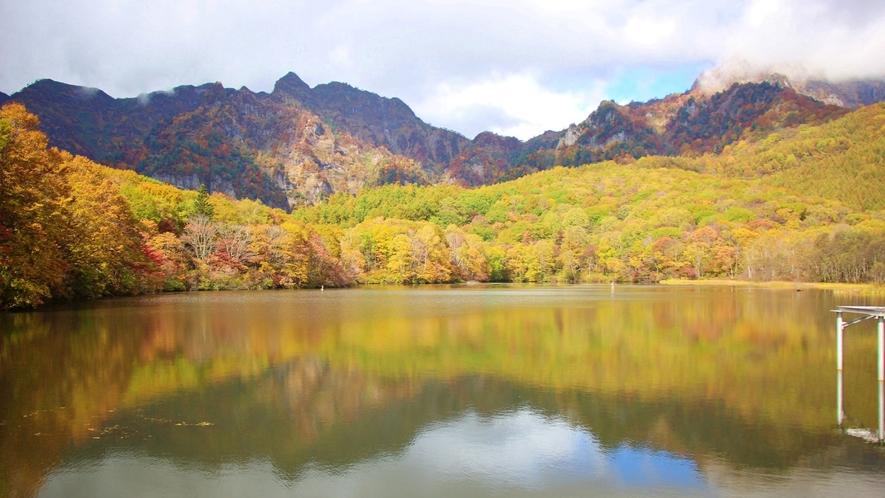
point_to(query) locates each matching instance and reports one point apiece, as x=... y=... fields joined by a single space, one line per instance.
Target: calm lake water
x=439 y=391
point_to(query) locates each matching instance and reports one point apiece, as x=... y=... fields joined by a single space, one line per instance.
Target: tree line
x=73 y=229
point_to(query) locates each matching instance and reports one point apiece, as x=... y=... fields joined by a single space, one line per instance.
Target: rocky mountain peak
x=216 y=94
x=51 y=88
x=488 y=138
x=850 y=94
x=291 y=85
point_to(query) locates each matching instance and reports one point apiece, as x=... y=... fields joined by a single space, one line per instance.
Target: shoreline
x=838 y=288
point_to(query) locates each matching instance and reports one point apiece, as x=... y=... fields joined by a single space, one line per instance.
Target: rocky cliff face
x=742 y=111
x=487 y=159
x=690 y=124
x=297 y=144
x=274 y=147
x=370 y=118
x=850 y=94
x=389 y=123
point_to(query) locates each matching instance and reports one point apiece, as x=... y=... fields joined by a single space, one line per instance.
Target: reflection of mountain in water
x=321 y=427
x=344 y=418
x=312 y=384
x=513 y=450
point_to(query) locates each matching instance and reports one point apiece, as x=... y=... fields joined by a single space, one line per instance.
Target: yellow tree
x=522 y=264
x=467 y=255
x=33 y=198
x=571 y=254
x=101 y=239
x=699 y=249
x=429 y=255
x=546 y=258
x=399 y=263
x=353 y=263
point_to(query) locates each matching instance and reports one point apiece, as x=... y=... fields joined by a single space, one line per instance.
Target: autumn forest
x=804 y=203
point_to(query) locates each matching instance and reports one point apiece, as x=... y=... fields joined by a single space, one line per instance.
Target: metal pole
x=839 y=341
x=840 y=415
x=881 y=349
x=881 y=378
x=881 y=411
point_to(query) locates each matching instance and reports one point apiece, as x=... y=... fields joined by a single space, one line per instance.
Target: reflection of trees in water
x=332 y=423
x=702 y=373
x=61 y=374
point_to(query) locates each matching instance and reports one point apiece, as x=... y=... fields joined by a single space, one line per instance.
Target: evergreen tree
x=202 y=207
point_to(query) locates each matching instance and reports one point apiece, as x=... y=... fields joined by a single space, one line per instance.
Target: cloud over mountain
x=518 y=67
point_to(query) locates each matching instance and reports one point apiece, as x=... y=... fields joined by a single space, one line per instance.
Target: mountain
x=298 y=145
x=295 y=145
x=89 y=122
x=380 y=121
x=691 y=124
x=851 y=94
x=803 y=203
x=489 y=158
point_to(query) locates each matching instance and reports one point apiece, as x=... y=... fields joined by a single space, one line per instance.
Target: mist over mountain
x=297 y=145
x=852 y=93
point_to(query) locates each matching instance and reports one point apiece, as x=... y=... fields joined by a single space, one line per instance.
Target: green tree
x=202 y=207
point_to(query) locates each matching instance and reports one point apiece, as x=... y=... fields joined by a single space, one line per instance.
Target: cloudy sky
x=517 y=67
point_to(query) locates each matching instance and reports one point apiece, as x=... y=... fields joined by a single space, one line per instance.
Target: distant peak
x=291 y=84
x=48 y=86
x=741 y=71
x=492 y=138
x=709 y=84
x=46 y=83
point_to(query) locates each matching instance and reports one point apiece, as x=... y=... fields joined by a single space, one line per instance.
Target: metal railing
x=867 y=313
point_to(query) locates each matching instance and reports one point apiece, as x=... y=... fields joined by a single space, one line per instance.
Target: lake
x=487 y=390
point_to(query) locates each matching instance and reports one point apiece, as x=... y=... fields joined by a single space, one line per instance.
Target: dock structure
x=866 y=313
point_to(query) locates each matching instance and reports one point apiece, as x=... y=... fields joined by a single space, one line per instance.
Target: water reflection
x=518 y=453
x=624 y=390
x=515 y=453
x=473 y=454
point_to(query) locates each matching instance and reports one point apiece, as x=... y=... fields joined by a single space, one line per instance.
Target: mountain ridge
x=297 y=145
x=850 y=93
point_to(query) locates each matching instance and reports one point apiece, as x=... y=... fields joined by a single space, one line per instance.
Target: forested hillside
x=70 y=228
x=842 y=160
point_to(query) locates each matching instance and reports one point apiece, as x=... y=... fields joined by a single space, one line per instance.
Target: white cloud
x=811 y=38
x=514 y=448
x=761 y=11
x=513 y=105
x=547 y=57
x=648 y=31
x=510 y=454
